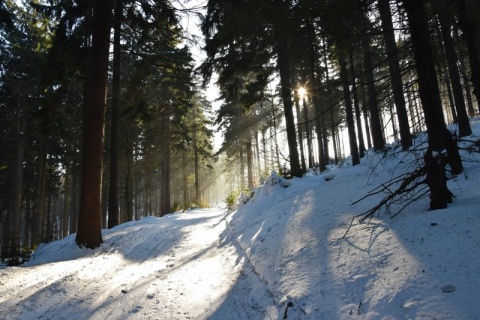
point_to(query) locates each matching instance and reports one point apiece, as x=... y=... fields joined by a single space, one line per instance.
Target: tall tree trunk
x=266 y=167
x=129 y=182
x=439 y=139
x=184 y=179
x=464 y=128
x=367 y=118
x=75 y=203
x=356 y=102
x=248 y=147
x=283 y=62
x=349 y=112
x=257 y=151
x=38 y=228
x=427 y=77
x=89 y=232
x=308 y=132
x=113 y=214
x=330 y=106
x=165 y=164
x=67 y=200
x=300 y=130
x=12 y=245
x=471 y=33
x=320 y=125
x=395 y=74
x=375 y=122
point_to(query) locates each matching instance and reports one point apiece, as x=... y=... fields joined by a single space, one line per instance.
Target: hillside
x=282 y=254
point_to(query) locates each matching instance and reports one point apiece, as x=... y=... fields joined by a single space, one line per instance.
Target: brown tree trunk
x=165 y=206
x=12 y=244
x=89 y=232
x=66 y=201
x=113 y=214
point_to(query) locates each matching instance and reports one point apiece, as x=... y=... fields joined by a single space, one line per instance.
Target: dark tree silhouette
x=89 y=233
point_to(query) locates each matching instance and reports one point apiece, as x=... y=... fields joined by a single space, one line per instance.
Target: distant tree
x=269 y=35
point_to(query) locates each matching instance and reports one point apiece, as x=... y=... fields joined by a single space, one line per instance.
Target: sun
x=302 y=92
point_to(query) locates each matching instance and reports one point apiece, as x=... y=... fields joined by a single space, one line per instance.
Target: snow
x=283 y=253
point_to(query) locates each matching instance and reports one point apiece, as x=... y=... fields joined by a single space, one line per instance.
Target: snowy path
x=183 y=266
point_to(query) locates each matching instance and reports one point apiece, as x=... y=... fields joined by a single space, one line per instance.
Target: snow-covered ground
x=281 y=255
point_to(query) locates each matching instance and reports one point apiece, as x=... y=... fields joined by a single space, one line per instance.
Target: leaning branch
x=409 y=182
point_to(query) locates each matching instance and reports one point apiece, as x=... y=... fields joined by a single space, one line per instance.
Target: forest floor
x=285 y=254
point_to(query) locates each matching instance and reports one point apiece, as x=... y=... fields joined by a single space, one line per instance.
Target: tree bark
x=349 y=112
x=13 y=242
x=113 y=214
x=248 y=147
x=300 y=130
x=464 y=128
x=283 y=62
x=395 y=74
x=375 y=122
x=356 y=103
x=165 y=165
x=89 y=232
x=439 y=138
x=471 y=33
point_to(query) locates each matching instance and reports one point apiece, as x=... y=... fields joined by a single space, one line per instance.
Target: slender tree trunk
x=248 y=147
x=464 y=128
x=349 y=112
x=89 y=232
x=257 y=151
x=452 y=115
x=265 y=153
x=395 y=74
x=165 y=165
x=13 y=243
x=286 y=89
x=471 y=33
x=113 y=214
x=375 y=122
x=67 y=200
x=129 y=182
x=300 y=131
x=427 y=77
x=308 y=132
x=330 y=107
x=320 y=126
x=439 y=138
x=184 y=180
x=75 y=203
x=361 y=142
x=367 y=119
x=38 y=229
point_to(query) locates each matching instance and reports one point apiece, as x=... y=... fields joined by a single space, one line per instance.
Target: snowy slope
x=283 y=253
